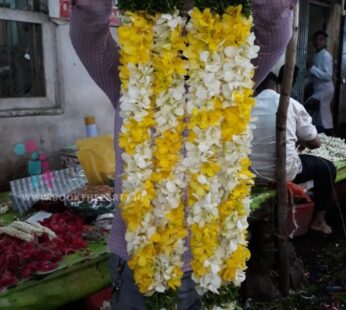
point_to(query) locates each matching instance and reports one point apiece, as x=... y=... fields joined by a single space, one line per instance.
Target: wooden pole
x=281 y=120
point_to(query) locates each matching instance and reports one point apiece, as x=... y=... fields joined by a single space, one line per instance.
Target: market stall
x=75 y=276
x=332 y=148
x=262 y=268
x=86 y=271
x=262 y=194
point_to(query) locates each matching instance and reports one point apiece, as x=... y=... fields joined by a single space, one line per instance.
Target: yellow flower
x=135 y=39
x=210 y=169
x=237 y=27
x=134 y=212
x=205 y=118
x=196 y=187
x=237 y=261
x=165 y=159
x=177 y=39
x=204 y=241
x=175 y=282
x=136 y=133
x=143 y=261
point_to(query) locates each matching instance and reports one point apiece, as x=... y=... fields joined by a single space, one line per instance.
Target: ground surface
x=324 y=260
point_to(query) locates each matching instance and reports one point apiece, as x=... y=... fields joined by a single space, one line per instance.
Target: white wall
x=81 y=96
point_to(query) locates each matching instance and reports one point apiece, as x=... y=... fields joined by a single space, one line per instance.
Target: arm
x=308 y=78
x=94 y=44
x=273 y=30
x=324 y=71
x=311 y=144
x=314 y=143
x=305 y=130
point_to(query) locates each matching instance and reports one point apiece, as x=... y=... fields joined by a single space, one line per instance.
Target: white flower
x=215 y=268
x=332 y=148
x=226 y=90
x=211 y=282
x=239 y=278
x=228 y=75
x=203 y=56
x=170 y=187
x=201 y=93
x=231 y=51
x=159 y=287
x=202 y=179
x=212 y=67
x=214 y=88
x=230 y=306
x=150 y=231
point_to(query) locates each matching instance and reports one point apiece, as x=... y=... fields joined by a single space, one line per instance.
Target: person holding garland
x=98 y=51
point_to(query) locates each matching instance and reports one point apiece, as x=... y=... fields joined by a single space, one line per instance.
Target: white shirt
x=321 y=75
x=263 y=151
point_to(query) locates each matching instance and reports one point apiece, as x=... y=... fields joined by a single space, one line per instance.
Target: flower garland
x=332 y=148
x=136 y=73
x=169 y=175
x=237 y=136
x=204 y=145
x=219 y=103
x=153 y=94
x=4 y=207
x=156 y=113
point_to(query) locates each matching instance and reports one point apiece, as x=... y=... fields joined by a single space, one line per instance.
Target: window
x=25 y=5
x=28 y=63
x=21 y=55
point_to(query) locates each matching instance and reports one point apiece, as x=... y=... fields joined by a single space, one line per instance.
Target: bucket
x=303 y=216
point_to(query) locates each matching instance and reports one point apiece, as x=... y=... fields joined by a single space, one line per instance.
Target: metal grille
x=304 y=11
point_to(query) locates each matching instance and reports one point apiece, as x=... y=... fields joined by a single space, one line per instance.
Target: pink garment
x=94 y=44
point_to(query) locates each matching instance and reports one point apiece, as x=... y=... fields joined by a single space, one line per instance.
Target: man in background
x=320 y=74
x=300 y=132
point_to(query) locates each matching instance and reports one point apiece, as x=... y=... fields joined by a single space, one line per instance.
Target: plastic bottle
x=90 y=126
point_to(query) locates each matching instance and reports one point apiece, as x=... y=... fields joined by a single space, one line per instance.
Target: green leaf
x=167 y=300
x=151 y=6
x=168 y=6
x=219 y=6
x=227 y=294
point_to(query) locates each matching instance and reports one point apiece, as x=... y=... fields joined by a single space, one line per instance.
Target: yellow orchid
x=234 y=263
x=211 y=40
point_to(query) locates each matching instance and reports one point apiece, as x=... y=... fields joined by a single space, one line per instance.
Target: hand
x=301 y=145
x=310 y=62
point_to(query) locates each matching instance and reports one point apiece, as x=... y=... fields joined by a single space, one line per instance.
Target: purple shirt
x=98 y=52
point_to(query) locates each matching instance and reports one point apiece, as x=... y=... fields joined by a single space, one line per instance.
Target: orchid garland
x=169 y=175
x=211 y=160
x=152 y=106
x=137 y=111
x=219 y=52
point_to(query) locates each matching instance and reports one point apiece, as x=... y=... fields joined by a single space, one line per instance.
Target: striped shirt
x=94 y=44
